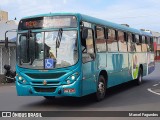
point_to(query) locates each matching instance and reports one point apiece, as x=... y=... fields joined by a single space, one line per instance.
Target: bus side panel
x=91 y=73
x=89 y=78
x=145 y=64
x=101 y=61
x=113 y=69
x=124 y=66
x=142 y=58
x=135 y=59
x=151 y=62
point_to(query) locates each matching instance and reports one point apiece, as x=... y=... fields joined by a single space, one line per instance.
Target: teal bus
x=71 y=54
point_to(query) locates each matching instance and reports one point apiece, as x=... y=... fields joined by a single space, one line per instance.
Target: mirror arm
x=6 y=38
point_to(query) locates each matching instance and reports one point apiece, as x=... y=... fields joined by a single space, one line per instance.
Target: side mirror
x=6 y=38
x=84 y=36
x=6 y=42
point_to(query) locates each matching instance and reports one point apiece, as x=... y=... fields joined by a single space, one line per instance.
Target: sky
x=139 y=14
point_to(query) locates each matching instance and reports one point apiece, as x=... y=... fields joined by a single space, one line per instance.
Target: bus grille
x=38 y=89
x=45 y=75
x=48 y=82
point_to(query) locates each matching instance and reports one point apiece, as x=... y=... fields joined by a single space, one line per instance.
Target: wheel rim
x=101 y=89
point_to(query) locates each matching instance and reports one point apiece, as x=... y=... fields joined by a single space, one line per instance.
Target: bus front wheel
x=101 y=88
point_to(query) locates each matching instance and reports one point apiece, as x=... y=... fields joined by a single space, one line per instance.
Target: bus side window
x=131 y=43
x=88 y=53
x=138 y=43
x=131 y=46
x=151 y=45
x=148 y=44
x=144 y=45
x=100 y=41
x=111 y=41
x=122 y=42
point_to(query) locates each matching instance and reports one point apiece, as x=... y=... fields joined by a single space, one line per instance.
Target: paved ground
x=126 y=97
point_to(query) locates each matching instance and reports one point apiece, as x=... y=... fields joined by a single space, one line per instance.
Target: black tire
x=49 y=97
x=101 y=88
x=139 y=78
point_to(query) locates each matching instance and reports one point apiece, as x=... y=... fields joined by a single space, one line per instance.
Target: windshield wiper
x=58 y=39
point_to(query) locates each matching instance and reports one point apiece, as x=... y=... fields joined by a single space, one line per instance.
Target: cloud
x=142 y=15
x=4 y=2
x=138 y=14
x=64 y=1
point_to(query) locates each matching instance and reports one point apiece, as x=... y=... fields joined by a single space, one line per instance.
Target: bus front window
x=42 y=47
x=30 y=50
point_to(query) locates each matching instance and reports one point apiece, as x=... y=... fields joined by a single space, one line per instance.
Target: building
x=157 y=45
x=156 y=42
x=156 y=38
x=3 y=16
x=7 y=55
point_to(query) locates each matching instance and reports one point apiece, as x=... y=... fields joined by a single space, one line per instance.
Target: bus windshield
x=47 y=50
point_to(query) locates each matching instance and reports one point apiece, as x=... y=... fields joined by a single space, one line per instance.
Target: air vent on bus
x=38 y=89
x=45 y=75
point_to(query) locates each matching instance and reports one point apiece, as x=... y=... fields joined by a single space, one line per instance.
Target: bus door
x=88 y=62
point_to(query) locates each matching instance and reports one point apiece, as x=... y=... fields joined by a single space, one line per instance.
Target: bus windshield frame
x=41 y=47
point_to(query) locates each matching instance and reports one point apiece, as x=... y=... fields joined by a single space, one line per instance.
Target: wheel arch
x=105 y=75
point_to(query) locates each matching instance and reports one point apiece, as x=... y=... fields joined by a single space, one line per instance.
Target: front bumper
x=61 y=90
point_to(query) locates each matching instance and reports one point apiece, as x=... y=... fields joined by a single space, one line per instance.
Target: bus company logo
x=44 y=82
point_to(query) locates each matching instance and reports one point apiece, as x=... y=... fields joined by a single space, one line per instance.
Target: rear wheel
x=139 y=78
x=49 y=97
x=101 y=88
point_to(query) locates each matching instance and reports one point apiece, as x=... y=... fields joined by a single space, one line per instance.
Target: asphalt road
x=126 y=97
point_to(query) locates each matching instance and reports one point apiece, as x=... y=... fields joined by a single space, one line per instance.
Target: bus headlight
x=20 y=78
x=72 y=78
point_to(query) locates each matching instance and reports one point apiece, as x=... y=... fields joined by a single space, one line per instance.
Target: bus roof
x=114 y=25
x=97 y=21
